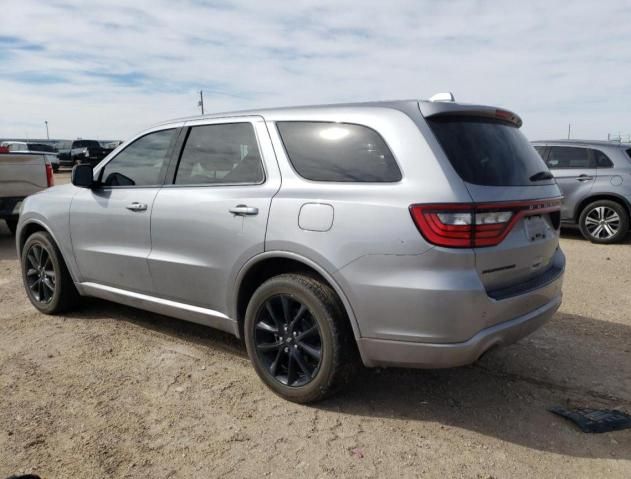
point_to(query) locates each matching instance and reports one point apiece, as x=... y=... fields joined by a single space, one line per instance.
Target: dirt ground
x=111 y=391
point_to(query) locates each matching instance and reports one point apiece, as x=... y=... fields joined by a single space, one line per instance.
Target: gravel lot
x=111 y=391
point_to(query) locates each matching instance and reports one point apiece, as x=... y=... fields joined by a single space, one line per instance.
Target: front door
x=575 y=173
x=110 y=224
x=213 y=218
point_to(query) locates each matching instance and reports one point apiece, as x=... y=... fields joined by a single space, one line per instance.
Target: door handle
x=244 y=210
x=584 y=178
x=135 y=206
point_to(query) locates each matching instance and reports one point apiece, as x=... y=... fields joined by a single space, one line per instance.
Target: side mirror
x=82 y=176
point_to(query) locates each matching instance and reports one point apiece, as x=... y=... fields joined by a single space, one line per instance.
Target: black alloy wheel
x=288 y=340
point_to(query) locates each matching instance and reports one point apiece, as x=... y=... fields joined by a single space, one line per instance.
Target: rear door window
x=569 y=157
x=488 y=152
x=340 y=152
x=225 y=153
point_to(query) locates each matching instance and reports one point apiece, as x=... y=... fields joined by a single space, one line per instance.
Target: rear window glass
x=341 y=152
x=629 y=152
x=40 y=147
x=488 y=152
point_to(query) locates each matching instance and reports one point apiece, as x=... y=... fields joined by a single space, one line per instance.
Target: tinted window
x=568 y=157
x=141 y=163
x=40 y=147
x=541 y=150
x=86 y=144
x=322 y=151
x=602 y=160
x=226 y=153
x=629 y=152
x=487 y=152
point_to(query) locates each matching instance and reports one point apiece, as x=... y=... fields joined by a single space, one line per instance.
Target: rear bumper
x=380 y=352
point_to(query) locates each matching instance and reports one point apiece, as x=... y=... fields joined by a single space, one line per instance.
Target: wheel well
x=591 y=199
x=264 y=270
x=28 y=230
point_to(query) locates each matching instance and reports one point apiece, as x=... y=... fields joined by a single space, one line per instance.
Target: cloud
x=108 y=69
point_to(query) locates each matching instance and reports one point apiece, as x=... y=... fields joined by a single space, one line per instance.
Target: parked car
x=416 y=234
x=83 y=151
x=21 y=174
x=595 y=179
x=22 y=146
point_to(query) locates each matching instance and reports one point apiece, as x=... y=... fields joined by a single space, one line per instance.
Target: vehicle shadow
x=505 y=395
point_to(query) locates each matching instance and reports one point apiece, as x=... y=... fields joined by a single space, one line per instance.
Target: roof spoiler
x=444 y=107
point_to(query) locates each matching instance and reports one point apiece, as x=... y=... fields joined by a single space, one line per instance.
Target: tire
x=12 y=225
x=286 y=295
x=55 y=168
x=63 y=296
x=604 y=222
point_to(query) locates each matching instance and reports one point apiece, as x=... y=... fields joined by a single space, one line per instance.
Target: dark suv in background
x=595 y=179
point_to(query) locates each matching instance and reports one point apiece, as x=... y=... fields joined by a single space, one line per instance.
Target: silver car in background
x=595 y=179
x=407 y=233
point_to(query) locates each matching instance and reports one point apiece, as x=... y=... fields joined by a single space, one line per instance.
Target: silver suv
x=595 y=179
x=407 y=233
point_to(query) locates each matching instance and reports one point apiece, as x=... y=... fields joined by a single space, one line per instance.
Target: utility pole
x=47 y=135
x=200 y=103
x=569 y=130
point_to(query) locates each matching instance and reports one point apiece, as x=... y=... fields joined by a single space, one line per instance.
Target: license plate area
x=536 y=228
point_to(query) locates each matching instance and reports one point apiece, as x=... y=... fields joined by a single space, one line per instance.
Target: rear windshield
x=40 y=147
x=488 y=152
x=86 y=144
x=629 y=152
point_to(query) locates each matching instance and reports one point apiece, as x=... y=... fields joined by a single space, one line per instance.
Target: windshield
x=40 y=147
x=489 y=152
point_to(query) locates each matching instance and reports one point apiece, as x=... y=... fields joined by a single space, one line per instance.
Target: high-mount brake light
x=468 y=225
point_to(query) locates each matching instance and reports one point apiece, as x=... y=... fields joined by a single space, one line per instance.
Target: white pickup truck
x=21 y=174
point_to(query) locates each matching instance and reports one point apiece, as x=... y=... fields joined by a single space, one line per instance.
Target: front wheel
x=46 y=279
x=604 y=222
x=298 y=338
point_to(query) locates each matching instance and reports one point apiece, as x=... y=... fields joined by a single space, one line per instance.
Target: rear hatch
x=515 y=210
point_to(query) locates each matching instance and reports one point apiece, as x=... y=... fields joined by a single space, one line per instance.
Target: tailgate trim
x=540 y=281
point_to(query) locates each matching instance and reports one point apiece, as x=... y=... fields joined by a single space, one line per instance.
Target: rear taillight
x=466 y=225
x=50 y=179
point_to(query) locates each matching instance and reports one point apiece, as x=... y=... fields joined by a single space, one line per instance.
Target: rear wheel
x=46 y=279
x=298 y=338
x=604 y=222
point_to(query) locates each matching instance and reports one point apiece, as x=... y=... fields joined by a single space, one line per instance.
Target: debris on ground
x=595 y=420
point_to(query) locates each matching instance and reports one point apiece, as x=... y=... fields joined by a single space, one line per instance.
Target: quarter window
x=141 y=163
x=342 y=152
x=602 y=160
x=220 y=154
x=568 y=157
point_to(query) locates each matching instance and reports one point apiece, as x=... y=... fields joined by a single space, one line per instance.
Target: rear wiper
x=542 y=175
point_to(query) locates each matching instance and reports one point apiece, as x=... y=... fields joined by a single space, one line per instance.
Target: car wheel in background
x=298 y=338
x=46 y=279
x=604 y=222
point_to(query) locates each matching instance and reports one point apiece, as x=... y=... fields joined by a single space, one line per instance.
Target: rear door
x=213 y=217
x=500 y=167
x=110 y=224
x=575 y=172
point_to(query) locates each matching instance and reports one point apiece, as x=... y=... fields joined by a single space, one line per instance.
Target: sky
x=109 y=69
